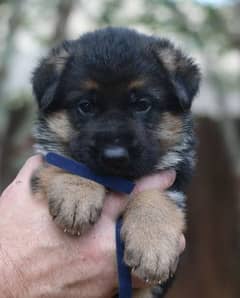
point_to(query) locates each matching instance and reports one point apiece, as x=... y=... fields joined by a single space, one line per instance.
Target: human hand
x=39 y=260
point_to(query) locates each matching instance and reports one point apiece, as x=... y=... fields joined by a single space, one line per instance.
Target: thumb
x=161 y=181
x=114 y=205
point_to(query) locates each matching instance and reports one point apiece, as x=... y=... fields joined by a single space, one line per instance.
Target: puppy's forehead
x=112 y=61
x=97 y=73
x=114 y=57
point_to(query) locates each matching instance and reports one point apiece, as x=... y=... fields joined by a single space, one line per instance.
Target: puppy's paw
x=151 y=231
x=75 y=203
x=152 y=261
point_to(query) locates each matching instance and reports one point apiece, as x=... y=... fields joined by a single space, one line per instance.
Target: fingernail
x=174 y=267
x=182 y=244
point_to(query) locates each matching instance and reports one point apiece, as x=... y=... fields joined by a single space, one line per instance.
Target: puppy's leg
x=151 y=230
x=75 y=203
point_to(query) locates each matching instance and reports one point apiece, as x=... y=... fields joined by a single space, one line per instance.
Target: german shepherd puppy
x=119 y=101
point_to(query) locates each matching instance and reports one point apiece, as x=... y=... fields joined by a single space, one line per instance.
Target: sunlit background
x=208 y=30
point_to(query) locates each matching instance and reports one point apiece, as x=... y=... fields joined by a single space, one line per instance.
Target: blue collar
x=114 y=183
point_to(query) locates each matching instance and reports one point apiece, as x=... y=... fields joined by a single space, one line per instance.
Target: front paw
x=151 y=232
x=75 y=203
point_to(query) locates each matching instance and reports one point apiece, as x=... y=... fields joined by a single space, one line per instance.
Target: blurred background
x=208 y=30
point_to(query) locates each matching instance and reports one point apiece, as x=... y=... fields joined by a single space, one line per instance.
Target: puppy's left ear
x=47 y=75
x=183 y=73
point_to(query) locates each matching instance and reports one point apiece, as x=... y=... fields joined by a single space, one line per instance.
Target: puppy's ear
x=47 y=75
x=183 y=73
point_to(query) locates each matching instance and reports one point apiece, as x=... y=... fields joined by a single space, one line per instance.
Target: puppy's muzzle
x=115 y=156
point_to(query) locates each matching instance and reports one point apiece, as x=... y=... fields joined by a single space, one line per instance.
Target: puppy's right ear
x=183 y=74
x=47 y=75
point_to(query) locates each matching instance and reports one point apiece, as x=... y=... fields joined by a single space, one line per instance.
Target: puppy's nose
x=115 y=156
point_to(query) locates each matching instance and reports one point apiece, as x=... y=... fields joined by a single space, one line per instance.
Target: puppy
x=119 y=101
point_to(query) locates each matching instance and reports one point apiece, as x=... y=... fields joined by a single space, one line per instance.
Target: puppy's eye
x=86 y=107
x=142 y=105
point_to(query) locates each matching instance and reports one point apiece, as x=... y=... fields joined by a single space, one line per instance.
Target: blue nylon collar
x=116 y=184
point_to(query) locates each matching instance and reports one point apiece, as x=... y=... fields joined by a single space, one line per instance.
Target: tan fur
x=59 y=123
x=170 y=130
x=136 y=84
x=142 y=293
x=90 y=85
x=74 y=202
x=41 y=178
x=151 y=232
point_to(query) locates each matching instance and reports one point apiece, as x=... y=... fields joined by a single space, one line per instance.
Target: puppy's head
x=116 y=100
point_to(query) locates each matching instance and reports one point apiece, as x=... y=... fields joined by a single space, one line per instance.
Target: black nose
x=115 y=156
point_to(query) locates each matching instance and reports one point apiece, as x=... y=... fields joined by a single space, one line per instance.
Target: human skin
x=37 y=259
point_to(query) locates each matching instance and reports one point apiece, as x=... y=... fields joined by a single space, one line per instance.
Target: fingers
x=114 y=205
x=182 y=244
x=162 y=181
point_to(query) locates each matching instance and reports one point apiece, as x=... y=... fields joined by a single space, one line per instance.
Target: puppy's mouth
x=117 y=161
x=127 y=172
